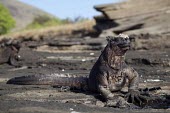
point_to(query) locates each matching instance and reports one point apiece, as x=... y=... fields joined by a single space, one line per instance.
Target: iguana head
x=119 y=44
x=14 y=53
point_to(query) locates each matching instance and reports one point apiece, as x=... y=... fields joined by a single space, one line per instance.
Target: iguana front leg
x=133 y=78
x=133 y=87
x=103 y=87
x=112 y=100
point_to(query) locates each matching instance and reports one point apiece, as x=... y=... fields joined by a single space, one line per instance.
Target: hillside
x=22 y=13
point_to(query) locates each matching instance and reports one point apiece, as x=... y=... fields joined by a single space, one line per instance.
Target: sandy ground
x=76 y=59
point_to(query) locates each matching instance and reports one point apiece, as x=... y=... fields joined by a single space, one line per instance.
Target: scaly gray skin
x=9 y=54
x=108 y=75
x=110 y=72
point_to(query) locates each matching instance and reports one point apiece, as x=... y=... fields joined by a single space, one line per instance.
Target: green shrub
x=44 y=21
x=6 y=20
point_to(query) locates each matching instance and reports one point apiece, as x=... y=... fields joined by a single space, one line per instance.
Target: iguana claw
x=135 y=97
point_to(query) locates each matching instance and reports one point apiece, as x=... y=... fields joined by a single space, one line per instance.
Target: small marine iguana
x=9 y=52
x=108 y=75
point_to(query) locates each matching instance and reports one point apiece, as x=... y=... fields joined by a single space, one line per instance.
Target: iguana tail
x=74 y=82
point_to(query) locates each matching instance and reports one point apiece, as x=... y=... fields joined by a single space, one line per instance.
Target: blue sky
x=69 y=8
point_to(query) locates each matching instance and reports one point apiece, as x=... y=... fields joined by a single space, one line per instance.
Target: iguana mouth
x=124 y=46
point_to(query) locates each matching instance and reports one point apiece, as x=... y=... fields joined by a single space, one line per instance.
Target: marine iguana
x=108 y=75
x=9 y=52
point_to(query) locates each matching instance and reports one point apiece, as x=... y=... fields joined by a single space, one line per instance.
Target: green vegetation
x=6 y=20
x=45 y=21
